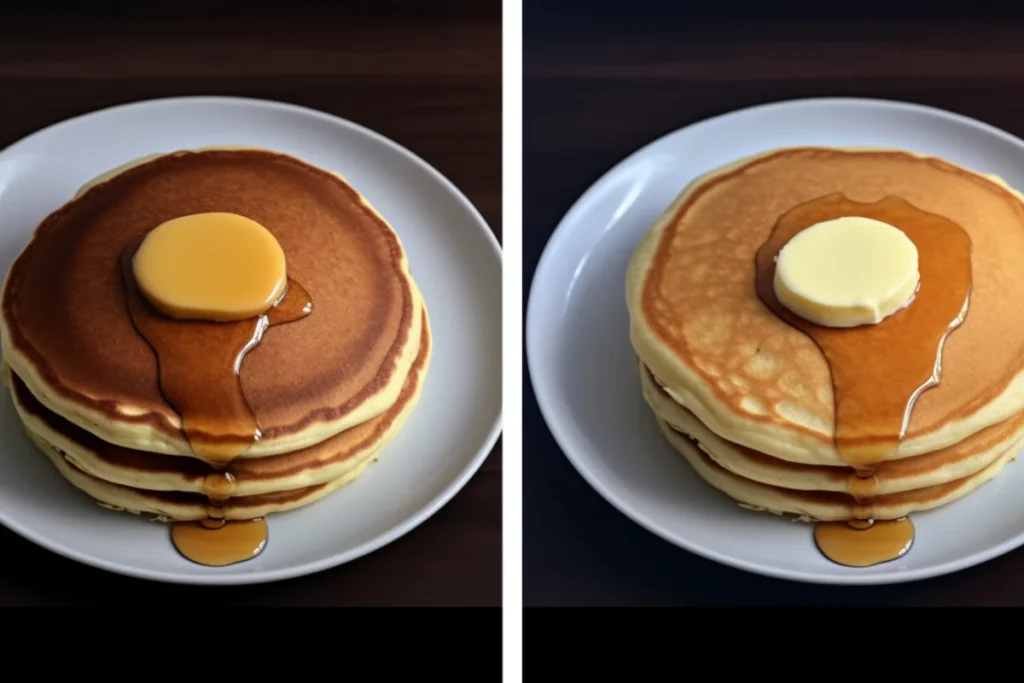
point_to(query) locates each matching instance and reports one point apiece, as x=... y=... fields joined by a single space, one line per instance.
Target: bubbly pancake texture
x=67 y=335
x=750 y=378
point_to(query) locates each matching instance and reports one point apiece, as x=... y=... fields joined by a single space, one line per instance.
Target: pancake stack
x=748 y=399
x=327 y=391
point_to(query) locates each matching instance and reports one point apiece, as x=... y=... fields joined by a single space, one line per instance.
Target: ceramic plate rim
x=395 y=532
x=544 y=386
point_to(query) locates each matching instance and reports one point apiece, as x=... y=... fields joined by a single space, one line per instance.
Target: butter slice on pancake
x=698 y=324
x=66 y=334
x=748 y=400
x=328 y=392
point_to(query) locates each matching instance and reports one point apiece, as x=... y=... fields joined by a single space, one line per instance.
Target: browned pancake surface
x=65 y=304
x=699 y=296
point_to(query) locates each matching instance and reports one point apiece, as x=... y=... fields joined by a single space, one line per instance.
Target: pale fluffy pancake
x=895 y=476
x=168 y=506
x=67 y=335
x=820 y=505
x=697 y=322
x=329 y=460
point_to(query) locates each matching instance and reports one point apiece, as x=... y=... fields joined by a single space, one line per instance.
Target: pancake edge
x=791 y=442
x=123 y=499
x=161 y=433
x=801 y=504
x=717 y=448
x=313 y=474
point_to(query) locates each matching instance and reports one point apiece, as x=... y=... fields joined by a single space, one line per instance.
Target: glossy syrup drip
x=860 y=543
x=219 y=546
x=218 y=487
x=862 y=484
x=879 y=371
x=199 y=364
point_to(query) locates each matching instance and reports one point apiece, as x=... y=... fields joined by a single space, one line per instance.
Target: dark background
x=430 y=79
x=601 y=83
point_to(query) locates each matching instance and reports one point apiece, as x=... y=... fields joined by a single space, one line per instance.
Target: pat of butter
x=211 y=266
x=847 y=272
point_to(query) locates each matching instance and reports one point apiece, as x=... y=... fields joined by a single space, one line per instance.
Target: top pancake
x=697 y=322
x=67 y=334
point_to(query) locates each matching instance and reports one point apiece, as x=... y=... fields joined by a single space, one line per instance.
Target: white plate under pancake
x=583 y=372
x=456 y=262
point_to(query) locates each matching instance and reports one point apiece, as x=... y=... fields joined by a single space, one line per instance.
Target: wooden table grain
x=431 y=83
x=597 y=91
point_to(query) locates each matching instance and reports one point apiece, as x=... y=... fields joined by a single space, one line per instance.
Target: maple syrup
x=219 y=546
x=199 y=363
x=863 y=543
x=878 y=371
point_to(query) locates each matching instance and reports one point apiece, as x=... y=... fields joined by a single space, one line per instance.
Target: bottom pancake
x=824 y=506
x=171 y=487
x=166 y=506
x=970 y=456
x=322 y=463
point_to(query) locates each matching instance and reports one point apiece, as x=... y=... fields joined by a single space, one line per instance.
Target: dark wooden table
x=595 y=93
x=431 y=83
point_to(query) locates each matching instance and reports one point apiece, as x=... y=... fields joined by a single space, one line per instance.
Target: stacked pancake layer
x=328 y=391
x=748 y=400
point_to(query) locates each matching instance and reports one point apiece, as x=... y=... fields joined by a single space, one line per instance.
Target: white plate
x=587 y=385
x=457 y=263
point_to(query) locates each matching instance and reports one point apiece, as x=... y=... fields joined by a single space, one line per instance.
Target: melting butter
x=211 y=266
x=847 y=272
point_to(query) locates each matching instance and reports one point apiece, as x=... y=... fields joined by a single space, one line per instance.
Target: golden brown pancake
x=166 y=506
x=961 y=460
x=67 y=334
x=322 y=463
x=825 y=506
x=697 y=322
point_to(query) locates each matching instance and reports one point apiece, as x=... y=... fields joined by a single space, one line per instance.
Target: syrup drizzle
x=219 y=546
x=199 y=364
x=878 y=371
x=862 y=543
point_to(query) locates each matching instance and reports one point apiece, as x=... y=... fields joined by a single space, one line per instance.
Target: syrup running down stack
x=878 y=371
x=247 y=339
x=802 y=409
